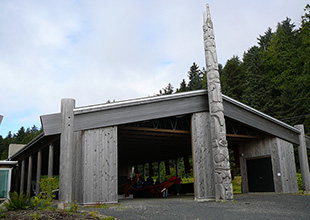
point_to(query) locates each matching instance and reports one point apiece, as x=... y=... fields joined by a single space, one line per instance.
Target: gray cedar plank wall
x=283 y=162
x=100 y=165
x=248 y=150
x=202 y=154
x=78 y=164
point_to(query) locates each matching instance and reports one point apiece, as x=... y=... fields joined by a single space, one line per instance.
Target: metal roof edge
x=261 y=114
x=137 y=101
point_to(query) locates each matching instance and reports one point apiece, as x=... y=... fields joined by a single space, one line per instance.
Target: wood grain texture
x=202 y=157
x=100 y=177
x=303 y=159
x=66 y=150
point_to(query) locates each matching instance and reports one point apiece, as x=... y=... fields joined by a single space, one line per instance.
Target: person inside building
x=178 y=185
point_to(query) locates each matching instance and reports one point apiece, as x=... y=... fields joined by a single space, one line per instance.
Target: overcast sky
x=94 y=51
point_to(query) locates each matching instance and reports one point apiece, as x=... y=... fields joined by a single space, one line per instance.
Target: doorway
x=260 y=176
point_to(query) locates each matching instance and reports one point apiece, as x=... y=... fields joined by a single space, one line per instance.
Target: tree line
x=23 y=136
x=272 y=76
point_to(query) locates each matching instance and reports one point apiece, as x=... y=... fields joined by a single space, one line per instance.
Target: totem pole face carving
x=222 y=175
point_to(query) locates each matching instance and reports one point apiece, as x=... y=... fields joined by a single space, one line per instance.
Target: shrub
x=2 y=212
x=45 y=198
x=18 y=201
x=299 y=181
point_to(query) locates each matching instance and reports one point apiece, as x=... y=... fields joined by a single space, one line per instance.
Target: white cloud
x=98 y=50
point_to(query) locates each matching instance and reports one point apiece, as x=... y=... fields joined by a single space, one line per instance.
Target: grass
x=237 y=184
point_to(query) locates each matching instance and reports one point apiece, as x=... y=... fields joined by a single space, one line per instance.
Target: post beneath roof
x=202 y=157
x=50 y=160
x=39 y=168
x=29 y=178
x=303 y=159
x=159 y=171
x=177 y=167
x=144 y=171
x=222 y=175
x=66 y=150
x=22 y=177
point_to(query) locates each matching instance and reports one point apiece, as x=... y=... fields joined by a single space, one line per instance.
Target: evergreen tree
x=233 y=78
x=167 y=90
x=195 y=78
x=183 y=87
x=21 y=137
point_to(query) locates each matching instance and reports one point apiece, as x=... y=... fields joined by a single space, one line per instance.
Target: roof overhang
x=117 y=113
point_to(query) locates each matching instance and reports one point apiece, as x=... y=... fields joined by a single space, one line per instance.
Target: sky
x=99 y=50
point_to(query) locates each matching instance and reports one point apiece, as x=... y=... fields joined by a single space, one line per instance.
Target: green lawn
x=237 y=184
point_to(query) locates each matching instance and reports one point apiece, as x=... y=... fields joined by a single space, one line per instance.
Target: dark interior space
x=260 y=176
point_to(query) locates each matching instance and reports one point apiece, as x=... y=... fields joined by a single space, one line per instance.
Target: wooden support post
x=144 y=171
x=159 y=171
x=50 y=160
x=39 y=167
x=66 y=150
x=16 y=179
x=303 y=159
x=22 y=177
x=29 y=178
x=177 y=167
x=203 y=165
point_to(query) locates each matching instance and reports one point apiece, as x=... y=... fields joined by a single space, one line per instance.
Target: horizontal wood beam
x=240 y=136
x=166 y=106
x=153 y=130
x=117 y=115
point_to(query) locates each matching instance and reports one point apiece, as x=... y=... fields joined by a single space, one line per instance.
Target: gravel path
x=245 y=206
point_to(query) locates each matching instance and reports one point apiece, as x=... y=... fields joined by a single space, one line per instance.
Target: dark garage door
x=260 y=176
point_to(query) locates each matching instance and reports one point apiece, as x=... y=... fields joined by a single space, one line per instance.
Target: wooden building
x=92 y=147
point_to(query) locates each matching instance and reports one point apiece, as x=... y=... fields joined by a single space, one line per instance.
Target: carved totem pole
x=222 y=175
x=1 y=117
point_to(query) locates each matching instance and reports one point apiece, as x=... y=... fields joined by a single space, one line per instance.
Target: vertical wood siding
x=283 y=162
x=202 y=157
x=99 y=169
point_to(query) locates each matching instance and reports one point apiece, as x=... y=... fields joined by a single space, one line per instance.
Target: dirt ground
x=47 y=214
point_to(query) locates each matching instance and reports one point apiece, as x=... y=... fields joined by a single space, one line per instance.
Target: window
x=5 y=177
